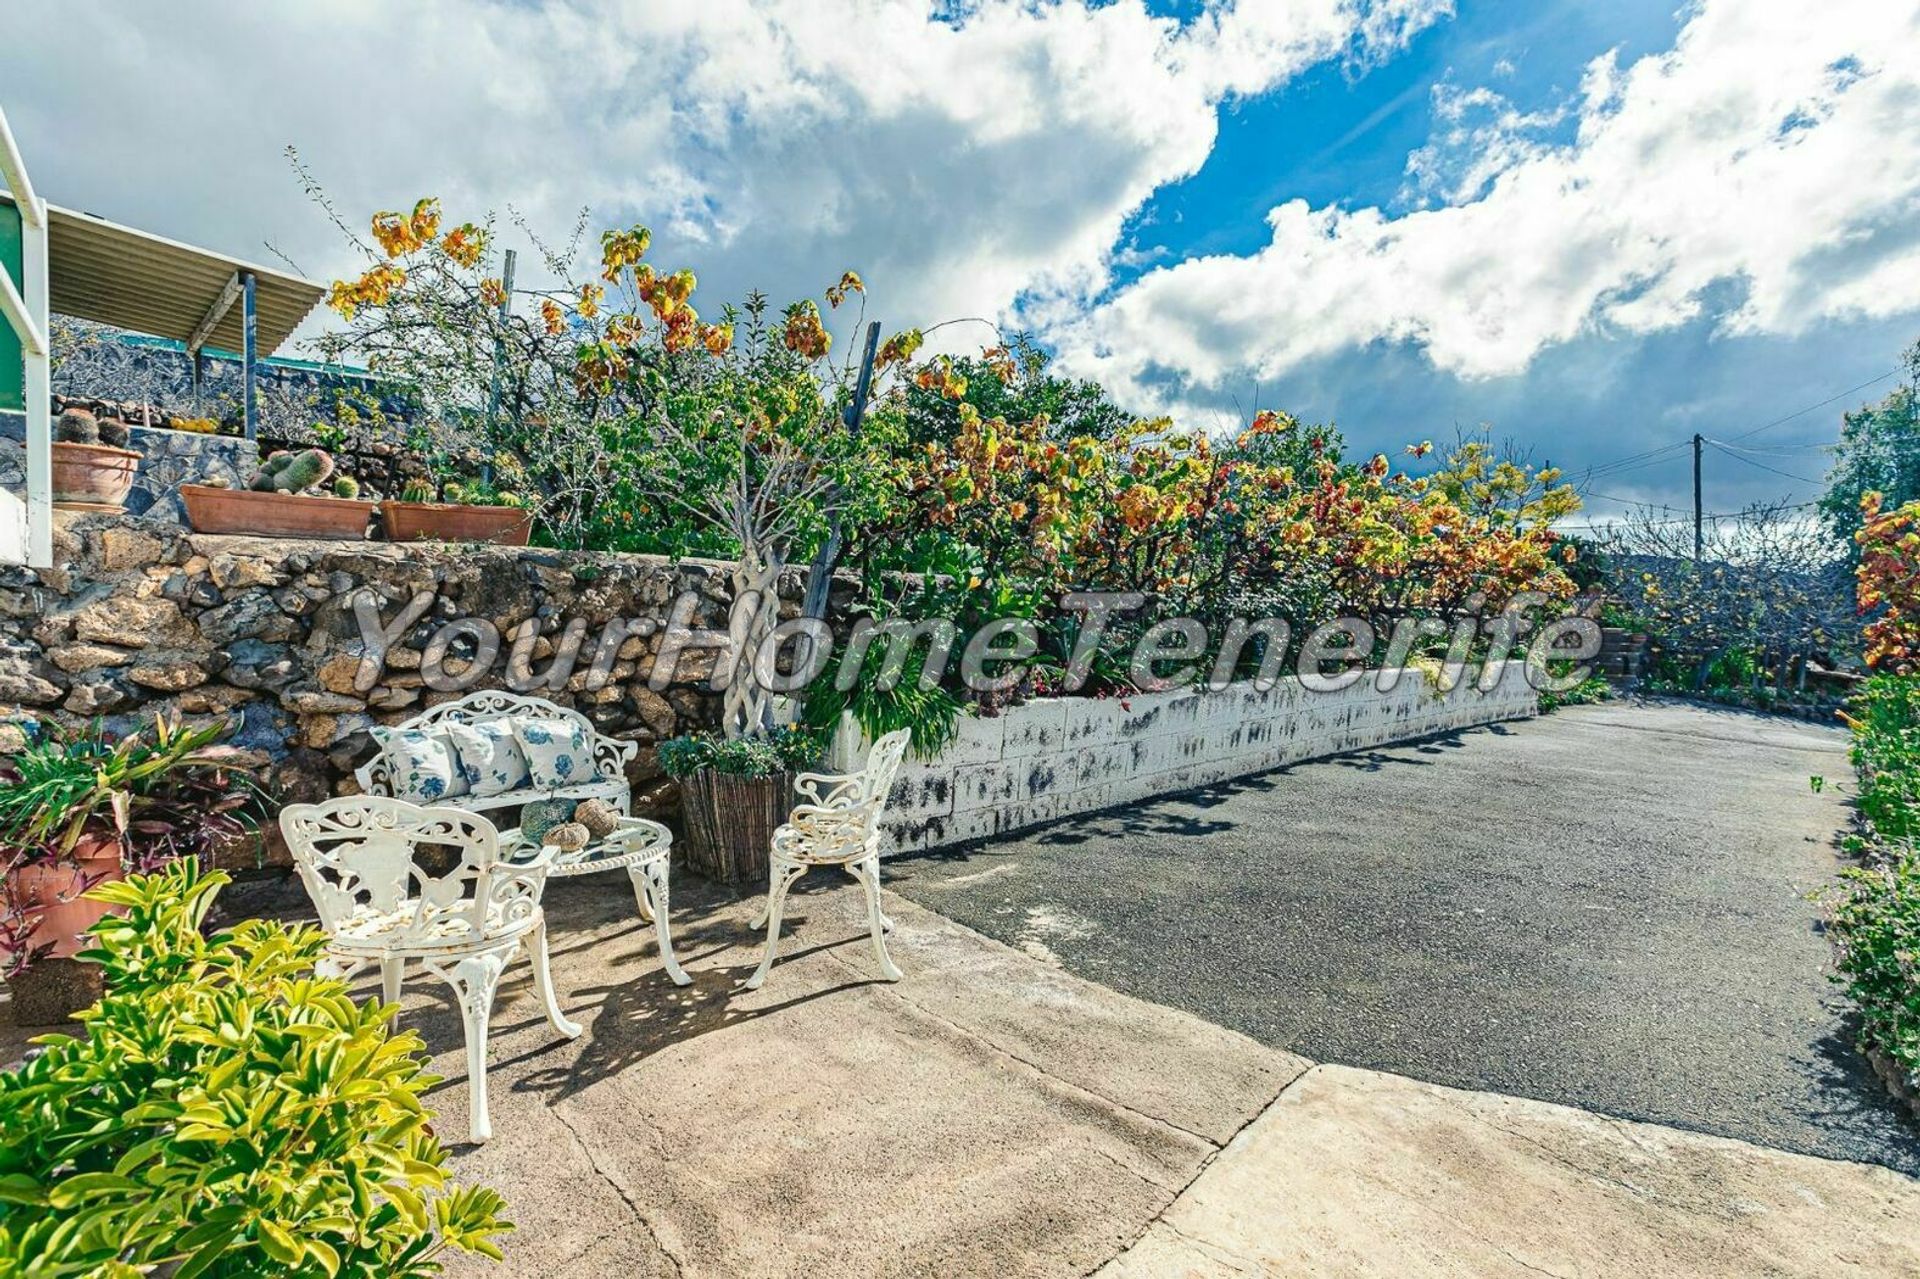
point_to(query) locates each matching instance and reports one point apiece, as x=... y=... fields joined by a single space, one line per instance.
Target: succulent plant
x=346 y=486
x=293 y=472
x=77 y=426
x=417 y=490
x=114 y=432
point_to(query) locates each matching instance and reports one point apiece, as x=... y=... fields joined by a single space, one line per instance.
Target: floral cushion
x=490 y=756
x=559 y=752
x=423 y=765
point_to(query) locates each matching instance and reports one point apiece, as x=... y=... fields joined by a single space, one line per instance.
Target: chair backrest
x=845 y=810
x=882 y=766
x=361 y=853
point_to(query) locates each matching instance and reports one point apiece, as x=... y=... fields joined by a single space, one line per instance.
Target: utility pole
x=1698 y=539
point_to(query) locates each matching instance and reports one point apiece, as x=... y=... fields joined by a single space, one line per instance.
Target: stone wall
x=168 y=459
x=141 y=617
x=1043 y=760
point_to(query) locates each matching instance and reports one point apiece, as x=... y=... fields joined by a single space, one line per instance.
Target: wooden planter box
x=218 y=510
x=456 y=522
x=730 y=823
x=92 y=477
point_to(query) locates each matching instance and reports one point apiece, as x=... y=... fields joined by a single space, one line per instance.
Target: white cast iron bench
x=598 y=771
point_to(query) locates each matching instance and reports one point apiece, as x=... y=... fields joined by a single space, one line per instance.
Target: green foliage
x=1876 y=924
x=1875 y=918
x=760 y=755
x=1879 y=452
x=63 y=782
x=880 y=706
x=1885 y=716
x=1013 y=383
x=1585 y=693
x=226 y=1114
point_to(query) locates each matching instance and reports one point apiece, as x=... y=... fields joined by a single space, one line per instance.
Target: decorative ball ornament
x=569 y=837
x=598 y=816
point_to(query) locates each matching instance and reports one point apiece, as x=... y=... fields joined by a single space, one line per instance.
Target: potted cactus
x=473 y=511
x=93 y=469
x=292 y=495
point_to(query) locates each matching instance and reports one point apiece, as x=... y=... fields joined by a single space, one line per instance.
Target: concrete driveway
x=1607 y=907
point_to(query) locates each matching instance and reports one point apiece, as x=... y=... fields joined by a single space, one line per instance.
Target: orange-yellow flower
x=555 y=318
x=465 y=244
x=590 y=295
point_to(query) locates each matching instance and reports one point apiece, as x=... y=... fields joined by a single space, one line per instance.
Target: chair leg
x=393 y=970
x=543 y=982
x=867 y=871
x=886 y=923
x=780 y=877
x=474 y=981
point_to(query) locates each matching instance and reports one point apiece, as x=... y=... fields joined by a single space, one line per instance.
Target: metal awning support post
x=27 y=312
x=247 y=353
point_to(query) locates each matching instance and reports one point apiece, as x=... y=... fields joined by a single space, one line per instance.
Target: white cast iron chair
x=378 y=905
x=836 y=824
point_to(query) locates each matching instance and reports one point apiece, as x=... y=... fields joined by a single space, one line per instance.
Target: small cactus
x=114 y=432
x=77 y=426
x=417 y=490
x=293 y=472
x=346 y=486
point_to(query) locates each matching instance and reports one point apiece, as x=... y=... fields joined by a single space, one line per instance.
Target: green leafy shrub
x=225 y=1114
x=1885 y=717
x=760 y=755
x=1588 y=691
x=931 y=715
x=1876 y=923
x=1875 y=917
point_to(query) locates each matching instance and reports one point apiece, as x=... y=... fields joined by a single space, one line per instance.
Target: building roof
x=99 y=270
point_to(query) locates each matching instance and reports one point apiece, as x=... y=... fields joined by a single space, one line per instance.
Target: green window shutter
x=13 y=369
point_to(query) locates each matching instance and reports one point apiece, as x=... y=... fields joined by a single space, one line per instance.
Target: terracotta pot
x=730 y=823
x=454 y=522
x=92 y=477
x=53 y=891
x=217 y=510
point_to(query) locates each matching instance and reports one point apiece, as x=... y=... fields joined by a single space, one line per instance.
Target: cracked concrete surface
x=1356 y=1172
x=992 y=1115
x=989 y=1115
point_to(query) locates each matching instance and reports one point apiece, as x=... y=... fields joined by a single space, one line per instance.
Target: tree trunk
x=747 y=708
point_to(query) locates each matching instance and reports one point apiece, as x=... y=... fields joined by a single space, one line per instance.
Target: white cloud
x=1763 y=174
x=958 y=160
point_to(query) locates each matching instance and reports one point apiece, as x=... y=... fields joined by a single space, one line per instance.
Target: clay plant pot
x=92 y=477
x=730 y=823
x=218 y=510
x=456 y=522
x=52 y=987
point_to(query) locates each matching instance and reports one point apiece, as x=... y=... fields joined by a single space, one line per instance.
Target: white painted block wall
x=1044 y=760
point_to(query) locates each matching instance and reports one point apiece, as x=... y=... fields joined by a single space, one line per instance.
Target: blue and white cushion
x=490 y=756
x=421 y=763
x=559 y=752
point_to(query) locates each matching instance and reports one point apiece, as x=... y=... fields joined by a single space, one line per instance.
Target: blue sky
x=1589 y=228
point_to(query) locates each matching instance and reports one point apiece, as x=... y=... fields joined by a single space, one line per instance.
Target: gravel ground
x=1607 y=907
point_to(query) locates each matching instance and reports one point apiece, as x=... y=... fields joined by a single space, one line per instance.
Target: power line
x=1649 y=457
x=1762 y=465
x=1767 y=426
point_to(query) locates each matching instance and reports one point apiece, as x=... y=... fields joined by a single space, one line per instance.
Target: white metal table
x=639 y=847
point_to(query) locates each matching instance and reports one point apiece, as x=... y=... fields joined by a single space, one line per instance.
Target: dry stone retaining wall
x=1048 y=759
x=140 y=617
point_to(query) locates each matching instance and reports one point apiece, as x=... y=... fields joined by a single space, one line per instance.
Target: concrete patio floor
x=993 y=1115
